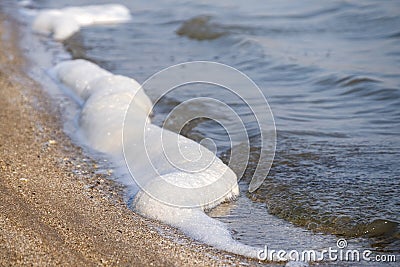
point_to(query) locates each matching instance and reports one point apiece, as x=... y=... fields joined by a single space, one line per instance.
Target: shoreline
x=55 y=208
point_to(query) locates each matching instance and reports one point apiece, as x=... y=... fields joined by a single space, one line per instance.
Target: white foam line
x=63 y=23
x=106 y=98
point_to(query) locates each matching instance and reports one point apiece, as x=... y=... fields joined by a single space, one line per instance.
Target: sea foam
x=63 y=23
x=106 y=99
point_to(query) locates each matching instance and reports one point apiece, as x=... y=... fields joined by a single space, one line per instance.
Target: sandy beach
x=55 y=210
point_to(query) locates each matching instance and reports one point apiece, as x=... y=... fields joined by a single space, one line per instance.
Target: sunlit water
x=331 y=76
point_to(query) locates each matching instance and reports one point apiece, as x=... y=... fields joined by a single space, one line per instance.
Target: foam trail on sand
x=63 y=23
x=193 y=222
x=106 y=98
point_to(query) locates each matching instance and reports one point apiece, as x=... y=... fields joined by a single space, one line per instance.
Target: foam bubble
x=101 y=120
x=114 y=84
x=63 y=23
x=77 y=74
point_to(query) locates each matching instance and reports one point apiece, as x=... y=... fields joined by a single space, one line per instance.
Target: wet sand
x=55 y=210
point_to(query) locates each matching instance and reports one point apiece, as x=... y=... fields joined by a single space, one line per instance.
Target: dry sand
x=54 y=209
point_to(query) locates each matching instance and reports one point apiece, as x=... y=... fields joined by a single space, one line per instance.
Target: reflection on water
x=331 y=76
